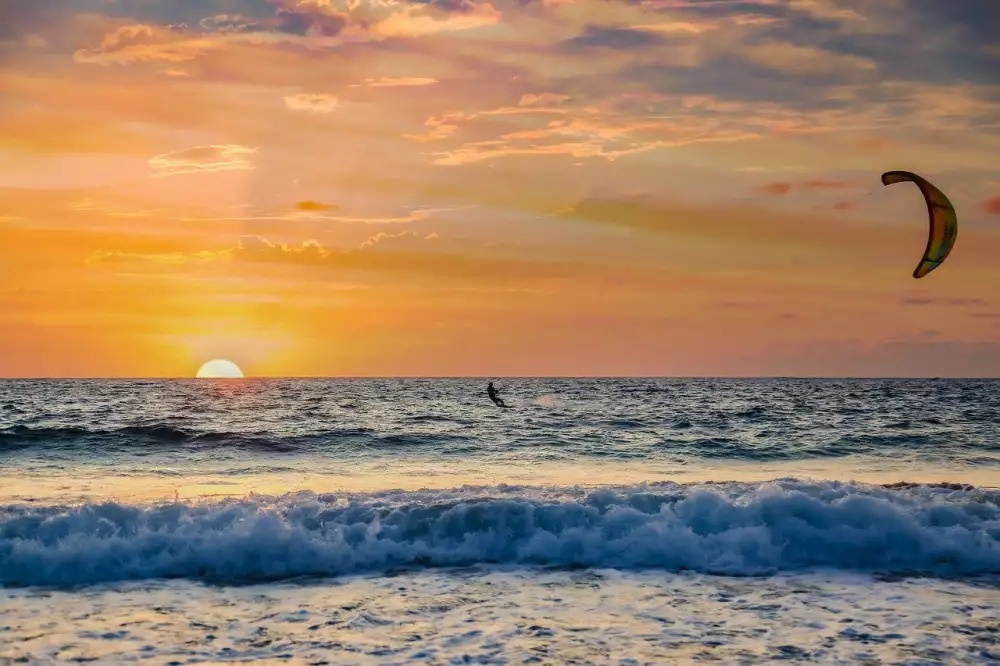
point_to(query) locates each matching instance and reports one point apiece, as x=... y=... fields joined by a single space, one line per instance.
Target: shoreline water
x=493 y=615
x=97 y=488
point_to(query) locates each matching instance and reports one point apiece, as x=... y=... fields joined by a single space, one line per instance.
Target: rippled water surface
x=597 y=521
x=420 y=432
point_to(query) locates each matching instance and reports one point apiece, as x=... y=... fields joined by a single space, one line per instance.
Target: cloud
x=844 y=205
x=315 y=206
x=992 y=206
x=410 y=21
x=312 y=102
x=531 y=99
x=162 y=258
x=789 y=57
x=677 y=27
x=313 y=24
x=441 y=126
x=591 y=131
x=144 y=43
x=396 y=82
x=313 y=212
x=612 y=37
x=382 y=253
x=203 y=159
x=382 y=238
x=920 y=301
x=775 y=189
x=782 y=188
x=226 y=23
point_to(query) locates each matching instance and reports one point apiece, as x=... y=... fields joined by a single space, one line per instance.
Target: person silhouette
x=492 y=392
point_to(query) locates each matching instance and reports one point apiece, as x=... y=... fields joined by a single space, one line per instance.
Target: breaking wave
x=725 y=528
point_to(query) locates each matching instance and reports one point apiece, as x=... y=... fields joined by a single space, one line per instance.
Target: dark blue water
x=253 y=480
x=242 y=427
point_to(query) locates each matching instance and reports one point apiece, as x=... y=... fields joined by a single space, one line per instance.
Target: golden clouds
x=386 y=253
x=531 y=99
x=586 y=132
x=702 y=153
x=315 y=206
x=396 y=82
x=781 y=188
x=141 y=43
x=310 y=24
x=413 y=22
x=312 y=102
x=203 y=159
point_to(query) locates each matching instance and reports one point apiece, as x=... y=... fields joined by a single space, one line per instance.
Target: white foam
x=723 y=528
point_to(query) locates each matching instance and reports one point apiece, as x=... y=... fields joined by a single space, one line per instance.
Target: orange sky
x=460 y=187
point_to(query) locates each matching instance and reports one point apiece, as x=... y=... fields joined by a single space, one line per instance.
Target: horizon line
x=439 y=377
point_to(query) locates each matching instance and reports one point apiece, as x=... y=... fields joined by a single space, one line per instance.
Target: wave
x=166 y=435
x=544 y=442
x=724 y=528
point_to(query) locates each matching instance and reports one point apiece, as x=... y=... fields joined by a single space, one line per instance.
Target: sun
x=219 y=369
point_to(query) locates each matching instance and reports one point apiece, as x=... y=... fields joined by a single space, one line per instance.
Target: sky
x=496 y=187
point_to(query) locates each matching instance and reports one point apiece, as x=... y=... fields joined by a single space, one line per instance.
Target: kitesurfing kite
x=943 y=221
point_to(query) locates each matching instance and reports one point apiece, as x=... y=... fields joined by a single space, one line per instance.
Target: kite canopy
x=943 y=221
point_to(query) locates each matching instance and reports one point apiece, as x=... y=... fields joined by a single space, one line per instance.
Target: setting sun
x=220 y=369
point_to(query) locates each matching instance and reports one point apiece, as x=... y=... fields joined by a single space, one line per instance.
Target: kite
x=943 y=221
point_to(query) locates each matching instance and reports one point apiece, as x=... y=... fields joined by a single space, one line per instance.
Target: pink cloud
x=775 y=189
x=782 y=188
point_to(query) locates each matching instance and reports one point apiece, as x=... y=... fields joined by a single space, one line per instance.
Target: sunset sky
x=502 y=187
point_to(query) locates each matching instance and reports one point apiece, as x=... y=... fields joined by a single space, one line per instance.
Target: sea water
x=411 y=521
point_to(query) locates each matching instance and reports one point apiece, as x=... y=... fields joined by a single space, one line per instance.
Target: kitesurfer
x=491 y=391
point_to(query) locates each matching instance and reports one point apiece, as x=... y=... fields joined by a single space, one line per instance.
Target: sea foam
x=735 y=529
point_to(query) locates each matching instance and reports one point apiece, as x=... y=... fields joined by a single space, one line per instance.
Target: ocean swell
x=146 y=437
x=734 y=529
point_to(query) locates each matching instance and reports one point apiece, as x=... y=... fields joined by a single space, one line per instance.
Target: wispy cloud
x=315 y=206
x=413 y=22
x=781 y=188
x=317 y=212
x=396 y=82
x=583 y=132
x=935 y=301
x=805 y=59
x=775 y=189
x=312 y=102
x=382 y=253
x=677 y=27
x=203 y=159
x=545 y=99
x=382 y=238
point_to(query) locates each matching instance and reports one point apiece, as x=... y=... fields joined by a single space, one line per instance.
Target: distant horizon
x=505 y=377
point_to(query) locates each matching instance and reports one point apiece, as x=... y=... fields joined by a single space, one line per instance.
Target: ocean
x=388 y=521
